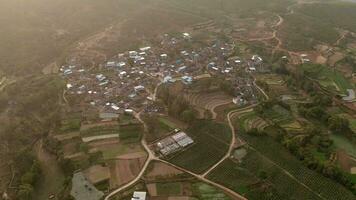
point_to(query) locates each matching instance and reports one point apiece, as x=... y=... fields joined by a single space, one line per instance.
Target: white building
x=139 y=196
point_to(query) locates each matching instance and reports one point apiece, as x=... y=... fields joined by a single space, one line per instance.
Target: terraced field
x=328 y=78
x=210 y=101
x=250 y=120
x=282 y=117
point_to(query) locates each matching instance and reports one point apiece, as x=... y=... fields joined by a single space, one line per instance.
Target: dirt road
x=52 y=175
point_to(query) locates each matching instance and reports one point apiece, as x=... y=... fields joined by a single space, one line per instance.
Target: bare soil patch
x=97 y=173
x=162 y=169
x=126 y=168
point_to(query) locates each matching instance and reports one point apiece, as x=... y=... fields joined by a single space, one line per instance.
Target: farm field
x=159 y=170
x=243 y=178
x=249 y=120
x=211 y=141
x=276 y=153
x=163 y=126
x=208 y=101
x=342 y=142
x=328 y=78
x=125 y=168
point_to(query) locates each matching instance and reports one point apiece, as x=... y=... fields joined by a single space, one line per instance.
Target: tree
x=188 y=116
x=262 y=175
x=25 y=192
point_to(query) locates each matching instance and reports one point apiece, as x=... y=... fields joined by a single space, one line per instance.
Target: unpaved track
x=202 y=178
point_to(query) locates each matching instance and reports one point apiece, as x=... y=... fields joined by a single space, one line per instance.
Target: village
x=127 y=82
x=114 y=94
x=114 y=100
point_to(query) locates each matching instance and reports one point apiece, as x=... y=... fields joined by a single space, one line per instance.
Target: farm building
x=182 y=139
x=82 y=189
x=139 y=196
x=351 y=95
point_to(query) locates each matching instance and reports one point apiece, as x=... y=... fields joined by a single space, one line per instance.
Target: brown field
x=162 y=170
x=88 y=126
x=344 y=160
x=67 y=136
x=97 y=173
x=334 y=58
x=104 y=142
x=152 y=190
x=126 y=168
x=69 y=148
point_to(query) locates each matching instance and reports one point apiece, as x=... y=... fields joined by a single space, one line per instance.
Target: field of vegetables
x=242 y=178
x=276 y=153
x=211 y=141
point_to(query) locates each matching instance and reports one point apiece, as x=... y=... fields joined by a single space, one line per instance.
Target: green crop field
x=278 y=114
x=100 y=130
x=274 y=152
x=204 y=191
x=327 y=77
x=167 y=122
x=243 y=178
x=70 y=125
x=169 y=189
x=342 y=142
x=211 y=141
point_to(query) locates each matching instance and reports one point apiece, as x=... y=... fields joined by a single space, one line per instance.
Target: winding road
x=201 y=177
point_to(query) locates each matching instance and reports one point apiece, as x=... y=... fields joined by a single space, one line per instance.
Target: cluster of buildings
x=173 y=143
x=127 y=81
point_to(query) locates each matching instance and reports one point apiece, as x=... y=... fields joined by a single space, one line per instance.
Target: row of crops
x=243 y=179
x=277 y=154
x=211 y=142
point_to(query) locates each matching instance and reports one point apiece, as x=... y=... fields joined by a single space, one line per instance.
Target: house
x=139 y=88
x=164 y=56
x=120 y=64
x=181 y=69
x=139 y=196
x=186 y=36
x=100 y=77
x=187 y=80
x=168 y=79
x=145 y=48
x=132 y=54
x=110 y=64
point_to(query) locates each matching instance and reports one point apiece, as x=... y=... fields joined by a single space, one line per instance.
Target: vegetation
x=300 y=32
x=211 y=141
x=327 y=78
x=337 y=14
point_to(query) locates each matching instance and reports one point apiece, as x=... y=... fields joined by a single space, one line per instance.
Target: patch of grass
x=131 y=133
x=169 y=189
x=70 y=125
x=167 y=122
x=206 y=192
x=337 y=14
x=342 y=142
x=300 y=32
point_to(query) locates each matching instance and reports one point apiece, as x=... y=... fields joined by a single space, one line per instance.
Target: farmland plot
x=211 y=141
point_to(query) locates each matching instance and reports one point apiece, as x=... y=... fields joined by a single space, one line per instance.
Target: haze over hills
x=177 y=99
